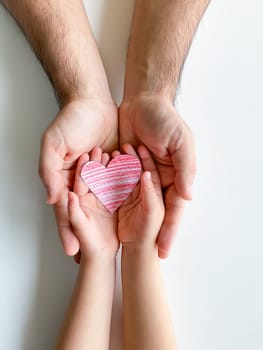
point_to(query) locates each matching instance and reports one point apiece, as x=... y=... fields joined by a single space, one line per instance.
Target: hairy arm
x=60 y=35
x=161 y=34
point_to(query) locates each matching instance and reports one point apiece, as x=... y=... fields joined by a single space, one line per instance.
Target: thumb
x=148 y=191
x=77 y=217
x=50 y=171
x=183 y=183
x=184 y=163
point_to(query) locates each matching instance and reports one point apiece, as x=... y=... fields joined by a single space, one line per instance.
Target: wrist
x=140 y=250
x=145 y=98
x=98 y=94
x=138 y=259
x=92 y=100
x=98 y=261
x=142 y=83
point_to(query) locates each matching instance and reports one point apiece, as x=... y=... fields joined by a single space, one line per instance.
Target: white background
x=214 y=275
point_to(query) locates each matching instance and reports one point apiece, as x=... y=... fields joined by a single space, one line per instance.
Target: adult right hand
x=152 y=121
x=81 y=125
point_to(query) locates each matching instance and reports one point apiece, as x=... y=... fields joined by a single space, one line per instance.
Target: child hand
x=94 y=226
x=141 y=215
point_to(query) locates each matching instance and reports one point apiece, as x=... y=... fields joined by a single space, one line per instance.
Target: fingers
x=149 y=165
x=127 y=148
x=105 y=157
x=115 y=154
x=50 y=171
x=80 y=188
x=96 y=154
x=184 y=163
x=69 y=241
x=148 y=192
x=174 y=207
x=77 y=217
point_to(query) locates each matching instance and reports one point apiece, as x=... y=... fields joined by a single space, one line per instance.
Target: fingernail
x=148 y=175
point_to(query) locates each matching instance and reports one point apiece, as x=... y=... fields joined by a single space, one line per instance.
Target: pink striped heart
x=112 y=185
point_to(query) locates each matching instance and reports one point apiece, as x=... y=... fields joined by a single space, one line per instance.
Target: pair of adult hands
x=83 y=124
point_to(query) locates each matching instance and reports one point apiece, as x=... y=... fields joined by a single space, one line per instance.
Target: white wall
x=214 y=276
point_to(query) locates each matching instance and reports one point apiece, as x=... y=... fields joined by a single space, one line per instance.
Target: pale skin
x=146 y=317
x=87 y=322
x=161 y=34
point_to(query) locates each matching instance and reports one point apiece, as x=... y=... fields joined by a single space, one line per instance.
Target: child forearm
x=147 y=320
x=87 y=323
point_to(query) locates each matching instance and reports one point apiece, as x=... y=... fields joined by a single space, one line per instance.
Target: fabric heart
x=112 y=185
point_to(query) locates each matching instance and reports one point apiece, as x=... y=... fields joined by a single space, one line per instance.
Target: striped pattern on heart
x=112 y=184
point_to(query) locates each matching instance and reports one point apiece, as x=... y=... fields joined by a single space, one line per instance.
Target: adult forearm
x=146 y=316
x=87 y=323
x=60 y=35
x=161 y=34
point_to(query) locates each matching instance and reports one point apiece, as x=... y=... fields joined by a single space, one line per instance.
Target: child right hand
x=141 y=215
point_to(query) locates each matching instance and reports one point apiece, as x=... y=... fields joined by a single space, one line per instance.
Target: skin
x=62 y=144
x=87 y=322
x=146 y=316
x=171 y=143
x=60 y=34
x=161 y=34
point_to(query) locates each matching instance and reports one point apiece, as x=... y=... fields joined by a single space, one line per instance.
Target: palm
x=92 y=207
x=98 y=217
x=129 y=217
x=159 y=128
x=155 y=123
x=78 y=128
x=137 y=221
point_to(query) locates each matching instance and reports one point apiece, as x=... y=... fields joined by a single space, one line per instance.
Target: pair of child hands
x=137 y=221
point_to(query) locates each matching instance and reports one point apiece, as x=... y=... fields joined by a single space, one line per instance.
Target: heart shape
x=112 y=184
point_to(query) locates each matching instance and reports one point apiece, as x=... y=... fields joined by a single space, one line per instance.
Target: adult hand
x=153 y=121
x=81 y=125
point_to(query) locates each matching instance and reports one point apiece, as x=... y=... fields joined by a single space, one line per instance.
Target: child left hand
x=94 y=226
